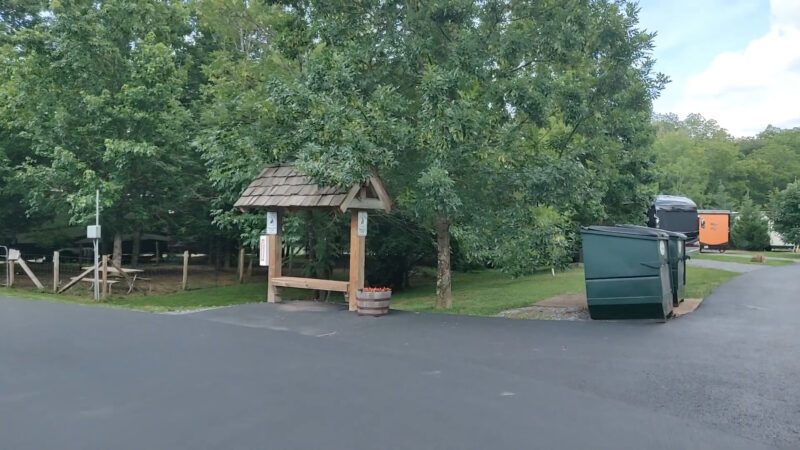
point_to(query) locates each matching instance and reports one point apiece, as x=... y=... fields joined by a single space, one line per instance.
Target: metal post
x=97 y=247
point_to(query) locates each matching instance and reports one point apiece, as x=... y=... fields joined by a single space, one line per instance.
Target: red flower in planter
x=376 y=289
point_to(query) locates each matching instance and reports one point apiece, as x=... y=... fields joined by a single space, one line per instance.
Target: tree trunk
x=226 y=255
x=137 y=246
x=117 y=253
x=217 y=254
x=444 y=297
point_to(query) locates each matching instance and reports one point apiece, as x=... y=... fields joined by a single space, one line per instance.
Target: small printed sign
x=263 y=251
x=93 y=231
x=13 y=254
x=272 y=222
x=362 y=223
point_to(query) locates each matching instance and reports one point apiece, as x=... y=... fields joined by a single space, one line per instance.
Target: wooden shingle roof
x=281 y=186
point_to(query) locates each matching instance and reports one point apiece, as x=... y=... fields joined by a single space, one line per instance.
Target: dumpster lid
x=674 y=203
x=635 y=231
x=667 y=232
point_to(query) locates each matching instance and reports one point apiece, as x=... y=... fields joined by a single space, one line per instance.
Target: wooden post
x=357 y=255
x=185 y=270
x=158 y=253
x=241 y=264
x=11 y=270
x=56 y=270
x=274 y=270
x=104 y=280
x=30 y=274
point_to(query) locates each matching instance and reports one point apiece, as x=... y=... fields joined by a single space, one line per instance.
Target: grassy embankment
x=786 y=255
x=476 y=293
x=768 y=260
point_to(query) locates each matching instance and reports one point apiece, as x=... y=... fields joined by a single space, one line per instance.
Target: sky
x=734 y=61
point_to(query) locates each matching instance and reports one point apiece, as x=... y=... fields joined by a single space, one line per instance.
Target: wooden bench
x=311 y=283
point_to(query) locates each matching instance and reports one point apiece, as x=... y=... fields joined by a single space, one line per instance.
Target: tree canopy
x=499 y=127
x=786 y=213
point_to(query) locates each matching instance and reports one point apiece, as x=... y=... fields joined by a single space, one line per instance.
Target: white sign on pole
x=93 y=231
x=13 y=255
x=272 y=222
x=362 y=223
x=263 y=251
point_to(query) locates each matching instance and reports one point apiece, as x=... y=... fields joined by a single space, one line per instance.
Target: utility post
x=93 y=233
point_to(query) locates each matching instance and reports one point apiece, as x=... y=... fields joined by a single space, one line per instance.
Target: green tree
x=97 y=91
x=246 y=46
x=467 y=109
x=750 y=229
x=456 y=102
x=786 y=213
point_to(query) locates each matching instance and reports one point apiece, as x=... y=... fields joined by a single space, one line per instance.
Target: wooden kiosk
x=280 y=188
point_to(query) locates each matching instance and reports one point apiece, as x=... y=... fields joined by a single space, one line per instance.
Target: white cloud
x=785 y=12
x=747 y=90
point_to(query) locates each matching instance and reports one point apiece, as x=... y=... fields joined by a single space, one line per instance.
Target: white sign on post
x=13 y=254
x=362 y=223
x=263 y=251
x=272 y=222
x=93 y=231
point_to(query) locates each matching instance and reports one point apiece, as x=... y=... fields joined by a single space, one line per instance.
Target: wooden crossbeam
x=30 y=274
x=127 y=277
x=311 y=283
x=75 y=280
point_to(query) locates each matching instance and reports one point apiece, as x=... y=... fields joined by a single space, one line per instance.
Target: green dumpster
x=677 y=263
x=627 y=273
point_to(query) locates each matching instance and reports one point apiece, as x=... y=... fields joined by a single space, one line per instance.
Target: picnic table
x=129 y=274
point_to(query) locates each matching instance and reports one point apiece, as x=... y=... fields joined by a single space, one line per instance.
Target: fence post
x=241 y=264
x=11 y=270
x=185 y=270
x=104 y=286
x=56 y=268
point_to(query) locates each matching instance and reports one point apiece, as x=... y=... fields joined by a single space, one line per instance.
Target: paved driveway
x=275 y=377
x=726 y=265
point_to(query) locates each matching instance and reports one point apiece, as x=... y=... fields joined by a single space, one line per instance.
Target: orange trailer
x=715 y=229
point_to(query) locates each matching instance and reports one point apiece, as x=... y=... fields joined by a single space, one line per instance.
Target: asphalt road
x=281 y=377
x=726 y=265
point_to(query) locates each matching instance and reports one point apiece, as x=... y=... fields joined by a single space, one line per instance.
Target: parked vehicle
x=675 y=213
x=715 y=229
x=776 y=241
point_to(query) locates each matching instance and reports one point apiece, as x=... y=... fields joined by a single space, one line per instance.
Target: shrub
x=750 y=229
x=786 y=213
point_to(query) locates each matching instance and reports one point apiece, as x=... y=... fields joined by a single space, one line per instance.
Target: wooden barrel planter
x=373 y=302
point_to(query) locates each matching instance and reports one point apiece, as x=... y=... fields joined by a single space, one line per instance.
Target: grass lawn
x=489 y=292
x=192 y=299
x=476 y=293
x=738 y=259
x=788 y=255
x=700 y=281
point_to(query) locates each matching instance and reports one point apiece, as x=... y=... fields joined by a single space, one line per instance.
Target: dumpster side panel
x=612 y=257
x=626 y=298
x=677 y=249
